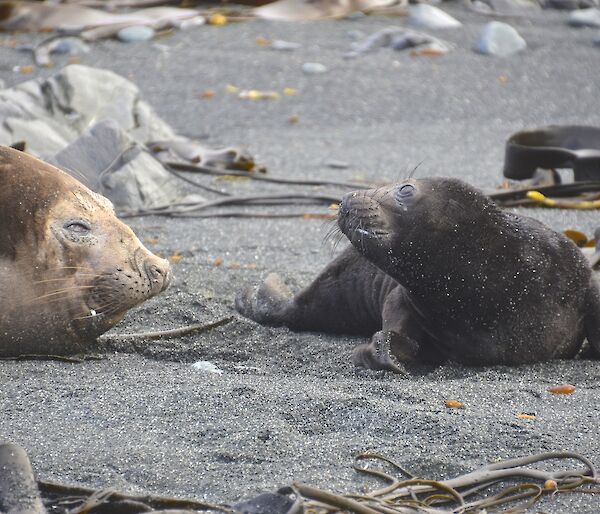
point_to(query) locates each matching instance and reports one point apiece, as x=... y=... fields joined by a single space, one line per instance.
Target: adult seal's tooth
x=69 y=269
x=437 y=271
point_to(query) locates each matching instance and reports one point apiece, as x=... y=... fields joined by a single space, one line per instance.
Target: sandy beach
x=291 y=406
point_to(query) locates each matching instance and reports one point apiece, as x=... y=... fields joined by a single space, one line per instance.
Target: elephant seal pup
x=69 y=269
x=437 y=271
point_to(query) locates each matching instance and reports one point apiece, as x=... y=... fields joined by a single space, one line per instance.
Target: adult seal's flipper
x=19 y=493
x=569 y=146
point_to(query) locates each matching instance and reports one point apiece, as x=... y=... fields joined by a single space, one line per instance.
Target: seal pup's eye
x=78 y=226
x=406 y=189
x=403 y=192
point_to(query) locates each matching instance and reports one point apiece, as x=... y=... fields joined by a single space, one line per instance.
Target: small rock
x=597 y=39
x=356 y=15
x=429 y=17
x=68 y=46
x=500 y=39
x=135 y=33
x=337 y=165
x=313 y=68
x=569 y=5
x=196 y=21
x=285 y=46
x=207 y=366
x=398 y=38
x=585 y=18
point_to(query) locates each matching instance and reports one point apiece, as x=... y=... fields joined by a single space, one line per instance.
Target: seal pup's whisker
x=412 y=174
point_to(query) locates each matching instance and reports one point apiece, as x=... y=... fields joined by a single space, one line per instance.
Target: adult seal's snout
x=69 y=269
x=159 y=273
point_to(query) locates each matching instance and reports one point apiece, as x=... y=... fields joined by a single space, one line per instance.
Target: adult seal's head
x=69 y=269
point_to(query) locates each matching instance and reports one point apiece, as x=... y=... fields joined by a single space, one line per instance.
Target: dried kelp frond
x=488 y=489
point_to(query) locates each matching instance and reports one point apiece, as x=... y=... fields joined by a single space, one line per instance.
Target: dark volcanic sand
x=290 y=406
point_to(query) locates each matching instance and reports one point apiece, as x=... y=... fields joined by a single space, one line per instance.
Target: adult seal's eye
x=78 y=227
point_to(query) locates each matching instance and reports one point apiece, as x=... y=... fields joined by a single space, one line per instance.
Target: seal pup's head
x=69 y=269
x=406 y=228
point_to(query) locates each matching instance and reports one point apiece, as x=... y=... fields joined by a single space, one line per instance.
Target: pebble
x=286 y=46
x=196 y=21
x=585 y=17
x=207 y=366
x=313 y=68
x=429 y=17
x=69 y=46
x=135 y=33
x=500 y=39
x=337 y=165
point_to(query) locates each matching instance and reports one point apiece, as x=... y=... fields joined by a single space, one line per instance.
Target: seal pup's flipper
x=266 y=305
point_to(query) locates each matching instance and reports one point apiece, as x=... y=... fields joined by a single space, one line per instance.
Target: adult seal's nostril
x=159 y=274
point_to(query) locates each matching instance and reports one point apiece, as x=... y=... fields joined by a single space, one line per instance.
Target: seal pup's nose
x=159 y=273
x=344 y=209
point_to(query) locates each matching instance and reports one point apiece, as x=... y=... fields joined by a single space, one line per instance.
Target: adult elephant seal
x=437 y=271
x=69 y=269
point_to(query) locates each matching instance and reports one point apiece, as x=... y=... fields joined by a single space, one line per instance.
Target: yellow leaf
x=454 y=404
x=217 y=19
x=579 y=238
x=526 y=416
x=562 y=389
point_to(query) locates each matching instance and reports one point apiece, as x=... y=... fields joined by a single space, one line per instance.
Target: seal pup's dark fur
x=437 y=271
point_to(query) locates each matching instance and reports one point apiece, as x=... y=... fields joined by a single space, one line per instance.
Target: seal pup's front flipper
x=399 y=342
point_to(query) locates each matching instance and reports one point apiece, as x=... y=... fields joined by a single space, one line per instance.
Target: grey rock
x=107 y=160
x=19 y=493
x=427 y=16
x=500 y=39
x=398 y=38
x=314 y=68
x=569 y=5
x=93 y=122
x=135 y=33
x=337 y=165
x=596 y=40
x=585 y=18
x=506 y=7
